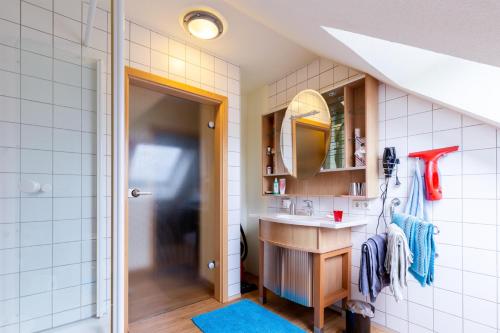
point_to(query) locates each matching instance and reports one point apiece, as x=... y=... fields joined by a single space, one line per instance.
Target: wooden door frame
x=163 y=85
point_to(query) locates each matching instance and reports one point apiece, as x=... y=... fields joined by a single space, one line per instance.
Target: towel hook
x=394 y=203
x=436 y=230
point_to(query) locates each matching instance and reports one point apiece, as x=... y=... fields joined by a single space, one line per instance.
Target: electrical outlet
x=360 y=204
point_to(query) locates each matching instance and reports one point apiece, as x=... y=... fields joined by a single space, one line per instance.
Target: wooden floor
x=179 y=321
x=151 y=294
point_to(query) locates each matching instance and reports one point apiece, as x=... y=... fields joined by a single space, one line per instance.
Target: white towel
x=397 y=260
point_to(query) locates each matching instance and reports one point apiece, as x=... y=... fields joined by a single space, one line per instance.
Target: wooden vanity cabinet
x=330 y=273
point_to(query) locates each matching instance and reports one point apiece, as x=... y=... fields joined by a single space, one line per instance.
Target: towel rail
x=394 y=203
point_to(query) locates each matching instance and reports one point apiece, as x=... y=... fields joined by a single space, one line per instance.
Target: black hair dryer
x=390 y=162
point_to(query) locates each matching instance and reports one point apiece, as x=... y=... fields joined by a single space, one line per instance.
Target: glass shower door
x=170 y=206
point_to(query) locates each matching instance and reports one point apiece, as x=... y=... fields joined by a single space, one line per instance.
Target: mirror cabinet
x=321 y=143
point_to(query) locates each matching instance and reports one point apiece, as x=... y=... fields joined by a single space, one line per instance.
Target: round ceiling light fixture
x=203 y=24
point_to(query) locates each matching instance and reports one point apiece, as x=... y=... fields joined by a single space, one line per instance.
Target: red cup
x=337 y=215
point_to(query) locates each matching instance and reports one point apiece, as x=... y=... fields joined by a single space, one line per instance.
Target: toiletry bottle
x=282 y=186
x=276 y=189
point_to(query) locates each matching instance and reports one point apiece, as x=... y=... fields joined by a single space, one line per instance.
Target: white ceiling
x=261 y=53
x=469 y=29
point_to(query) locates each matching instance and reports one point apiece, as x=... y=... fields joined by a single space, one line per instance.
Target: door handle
x=135 y=192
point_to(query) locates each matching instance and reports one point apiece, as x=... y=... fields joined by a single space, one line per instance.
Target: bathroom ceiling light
x=203 y=24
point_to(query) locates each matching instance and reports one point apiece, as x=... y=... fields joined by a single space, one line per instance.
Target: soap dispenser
x=276 y=186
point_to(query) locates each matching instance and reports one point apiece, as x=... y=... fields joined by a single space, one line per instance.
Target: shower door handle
x=135 y=192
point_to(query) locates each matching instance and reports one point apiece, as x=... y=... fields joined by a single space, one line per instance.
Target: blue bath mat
x=243 y=317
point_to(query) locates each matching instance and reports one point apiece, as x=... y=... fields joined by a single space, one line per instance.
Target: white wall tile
x=67 y=163
x=10 y=261
x=36 y=209
x=392 y=93
x=445 y=278
x=140 y=35
x=9 y=185
x=9 y=236
x=220 y=66
x=9 y=210
x=65 y=299
x=35 y=257
x=479 y=261
x=417 y=105
x=10 y=286
x=340 y=73
x=36 y=137
x=34 y=306
x=67 y=208
x=421 y=315
x=35 y=282
x=67 y=253
x=67 y=51
x=35 y=113
x=10 y=10
x=68 y=96
x=448 y=302
x=67 y=141
x=36 y=41
x=67 y=28
x=67 y=73
x=10 y=161
x=10 y=33
x=479 y=186
x=36 y=233
x=479 y=137
x=9 y=58
x=419 y=123
x=480 y=311
x=177 y=49
x=479 y=161
x=36 y=17
x=10 y=109
x=69 y=8
x=446 y=323
x=139 y=54
x=36 y=89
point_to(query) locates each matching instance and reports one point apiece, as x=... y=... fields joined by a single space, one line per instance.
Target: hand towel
x=397 y=260
x=420 y=236
x=373 y=276
x=415 y=204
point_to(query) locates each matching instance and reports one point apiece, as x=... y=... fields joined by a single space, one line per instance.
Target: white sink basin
x=315 y=221
x=294 y=217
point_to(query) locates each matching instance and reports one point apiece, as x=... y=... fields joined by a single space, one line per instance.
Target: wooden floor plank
x=179 y=320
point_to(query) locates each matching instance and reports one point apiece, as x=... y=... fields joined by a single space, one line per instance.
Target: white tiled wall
x=174 y=59
x=466 y=293
x=47 y=134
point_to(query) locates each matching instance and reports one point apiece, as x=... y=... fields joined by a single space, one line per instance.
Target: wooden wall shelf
x=360 y=111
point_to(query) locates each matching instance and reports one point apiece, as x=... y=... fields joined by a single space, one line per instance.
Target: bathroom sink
x=295 y=217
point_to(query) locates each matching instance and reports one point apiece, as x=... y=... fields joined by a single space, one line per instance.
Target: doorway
x=176 y=216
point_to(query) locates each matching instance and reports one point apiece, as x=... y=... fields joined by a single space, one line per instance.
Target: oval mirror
x=305 y=134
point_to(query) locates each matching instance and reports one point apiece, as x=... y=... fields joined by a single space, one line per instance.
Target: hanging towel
x=415 y=205
x=373 y=276
x=420 y=236
x=397 y=260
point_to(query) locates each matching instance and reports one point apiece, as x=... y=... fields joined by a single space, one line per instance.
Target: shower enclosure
x=55 y=170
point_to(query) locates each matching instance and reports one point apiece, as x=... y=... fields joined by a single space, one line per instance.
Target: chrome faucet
x=309 y=207
x=291 y=208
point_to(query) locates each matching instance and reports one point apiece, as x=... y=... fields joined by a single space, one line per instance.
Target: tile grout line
x=20 y=168
x=52 y=154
